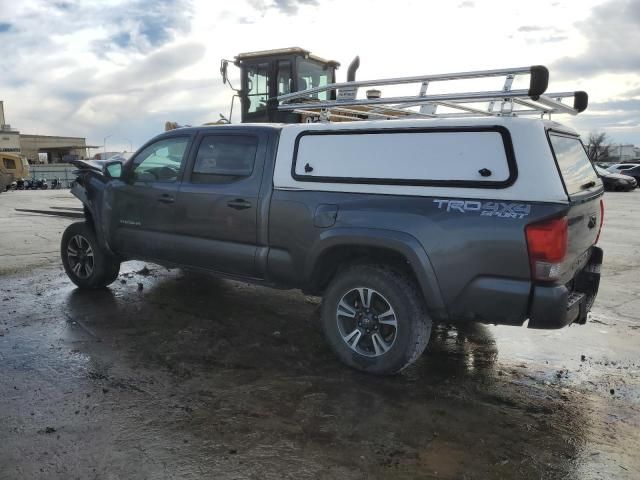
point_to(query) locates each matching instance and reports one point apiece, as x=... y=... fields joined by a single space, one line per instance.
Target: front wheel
x=374 y=319
x=86 y=264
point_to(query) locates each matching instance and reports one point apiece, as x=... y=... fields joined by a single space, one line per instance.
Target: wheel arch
x=91 y=192
x=339 y=247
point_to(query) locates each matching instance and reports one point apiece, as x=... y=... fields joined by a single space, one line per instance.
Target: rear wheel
x=374 y=319
x=86 y=264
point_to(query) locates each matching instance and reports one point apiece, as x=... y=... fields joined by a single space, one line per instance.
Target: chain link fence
x=60 y=171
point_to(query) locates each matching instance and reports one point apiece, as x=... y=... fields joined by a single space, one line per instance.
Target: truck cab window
x=224 y=159
x=160 y=161
x=258 y=87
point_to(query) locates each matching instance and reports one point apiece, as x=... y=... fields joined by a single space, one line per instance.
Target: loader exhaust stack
x=353 y=67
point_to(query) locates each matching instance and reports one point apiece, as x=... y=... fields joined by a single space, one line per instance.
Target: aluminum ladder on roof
x=346 y=106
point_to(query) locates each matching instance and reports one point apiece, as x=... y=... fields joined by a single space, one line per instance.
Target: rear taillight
x=547 y=243
x=601 y=220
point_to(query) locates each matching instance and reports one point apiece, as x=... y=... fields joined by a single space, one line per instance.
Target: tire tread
x=420 y=321
x=106 y=267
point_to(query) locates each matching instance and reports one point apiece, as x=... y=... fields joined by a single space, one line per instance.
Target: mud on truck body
x=396 y=224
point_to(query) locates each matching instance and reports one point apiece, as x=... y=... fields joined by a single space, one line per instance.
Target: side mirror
x=224 y=64
x=113 y=169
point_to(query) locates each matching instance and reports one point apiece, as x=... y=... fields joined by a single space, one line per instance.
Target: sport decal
x=485 y=209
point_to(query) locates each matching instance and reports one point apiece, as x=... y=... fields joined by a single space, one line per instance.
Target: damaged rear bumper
x=557 y=306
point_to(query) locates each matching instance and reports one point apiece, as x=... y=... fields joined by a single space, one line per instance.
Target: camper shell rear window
x=573 y=162
x=477 y=157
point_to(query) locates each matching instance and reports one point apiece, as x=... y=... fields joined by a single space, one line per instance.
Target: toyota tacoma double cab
x=397 y=225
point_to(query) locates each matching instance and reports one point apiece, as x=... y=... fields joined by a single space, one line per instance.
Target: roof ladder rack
x=512 y=102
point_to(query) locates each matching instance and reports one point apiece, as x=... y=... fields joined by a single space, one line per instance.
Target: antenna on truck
x=346 y=106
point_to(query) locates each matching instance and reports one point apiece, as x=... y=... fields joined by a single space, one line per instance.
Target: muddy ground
x=174 y=375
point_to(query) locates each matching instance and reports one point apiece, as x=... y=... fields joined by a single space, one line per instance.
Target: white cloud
x=613 y=37
x=124 y=67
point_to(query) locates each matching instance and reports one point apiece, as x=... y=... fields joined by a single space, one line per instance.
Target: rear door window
x=225 y=159
x=576 y=169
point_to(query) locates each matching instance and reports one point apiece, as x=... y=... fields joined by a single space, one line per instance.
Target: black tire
x=90 y=267
x=400 y=293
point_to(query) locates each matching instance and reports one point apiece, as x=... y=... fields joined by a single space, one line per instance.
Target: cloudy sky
x=122 y=68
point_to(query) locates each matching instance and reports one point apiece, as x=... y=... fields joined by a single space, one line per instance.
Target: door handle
x=166 y=198
x=239 y=204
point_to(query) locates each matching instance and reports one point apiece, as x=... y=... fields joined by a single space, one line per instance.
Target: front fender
x=398 y=242
x=90 y=189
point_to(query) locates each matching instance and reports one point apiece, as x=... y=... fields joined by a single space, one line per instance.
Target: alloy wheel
x=80 y=256
x=367 y=322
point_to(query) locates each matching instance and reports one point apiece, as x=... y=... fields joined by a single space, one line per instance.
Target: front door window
x=161 y=161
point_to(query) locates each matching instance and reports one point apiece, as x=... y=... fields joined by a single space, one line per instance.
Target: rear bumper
x=557 y=306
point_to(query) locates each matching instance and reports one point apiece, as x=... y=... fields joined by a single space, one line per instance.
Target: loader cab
x=270 y=73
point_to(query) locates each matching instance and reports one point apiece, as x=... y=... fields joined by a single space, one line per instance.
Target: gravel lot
x=168 y=374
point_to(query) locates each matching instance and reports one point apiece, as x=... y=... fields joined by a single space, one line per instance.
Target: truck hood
x=94 y=165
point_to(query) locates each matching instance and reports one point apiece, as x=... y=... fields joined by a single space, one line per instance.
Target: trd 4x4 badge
x=486 y=209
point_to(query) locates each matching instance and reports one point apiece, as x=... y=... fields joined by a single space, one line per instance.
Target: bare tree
x=598 y=147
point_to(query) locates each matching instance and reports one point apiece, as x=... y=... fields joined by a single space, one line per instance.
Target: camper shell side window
x=475 y=157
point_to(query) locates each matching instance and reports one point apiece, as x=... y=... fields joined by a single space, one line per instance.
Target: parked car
x=604 y=165
x=395 y=224
x=616 y=181
x=629 y=169
x=617 y=167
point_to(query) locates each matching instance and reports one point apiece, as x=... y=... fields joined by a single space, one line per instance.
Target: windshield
x=311 y=75
x=601 y=171
x=576 y=168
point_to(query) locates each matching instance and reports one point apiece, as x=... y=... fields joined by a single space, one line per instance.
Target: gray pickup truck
x=395 y=224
